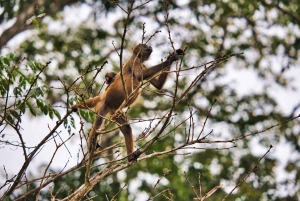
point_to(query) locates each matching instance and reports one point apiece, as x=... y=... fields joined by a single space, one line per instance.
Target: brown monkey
x=110 y=77
x=134 y=73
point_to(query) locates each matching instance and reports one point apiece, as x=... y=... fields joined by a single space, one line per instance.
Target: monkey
x=134 y=73
x=110 y=77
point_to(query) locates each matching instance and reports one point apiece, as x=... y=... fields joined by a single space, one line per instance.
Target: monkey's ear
x=180 y=52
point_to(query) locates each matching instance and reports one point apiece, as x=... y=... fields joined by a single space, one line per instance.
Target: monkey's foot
x=134 y=156
x=180 y=52
x=74 y=108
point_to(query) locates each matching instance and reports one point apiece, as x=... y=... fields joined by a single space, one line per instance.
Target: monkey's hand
x=74 y=108
x=175 y=56
x=134 y=156
x=172 y=57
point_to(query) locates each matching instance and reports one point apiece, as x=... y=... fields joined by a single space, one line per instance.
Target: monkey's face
x=143 y=51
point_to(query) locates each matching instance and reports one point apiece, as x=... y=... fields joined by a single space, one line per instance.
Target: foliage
x=21 y=88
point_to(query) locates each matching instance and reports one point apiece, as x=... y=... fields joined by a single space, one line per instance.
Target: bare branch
x=248 y=174
x=167 y=172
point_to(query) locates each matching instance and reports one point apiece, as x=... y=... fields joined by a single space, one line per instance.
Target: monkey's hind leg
x=92 y=139
x=129 y=141
x=93 y=135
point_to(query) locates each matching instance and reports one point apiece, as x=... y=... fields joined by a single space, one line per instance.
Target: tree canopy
x=227 y=118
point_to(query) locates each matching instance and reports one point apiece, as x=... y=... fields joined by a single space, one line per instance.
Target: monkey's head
x=142 y=51
x=109 y=77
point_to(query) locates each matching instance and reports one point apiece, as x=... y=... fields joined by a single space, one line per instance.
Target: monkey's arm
x=159 y=82
x=147 y=73
x=91 y=103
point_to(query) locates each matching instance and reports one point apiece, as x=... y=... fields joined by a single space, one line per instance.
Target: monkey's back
x=114 y=95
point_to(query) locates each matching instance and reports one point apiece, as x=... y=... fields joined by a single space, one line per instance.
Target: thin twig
x=248 y=174
x=167 y=172
x=192 y=186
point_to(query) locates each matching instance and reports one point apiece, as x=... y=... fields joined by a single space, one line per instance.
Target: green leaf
x=72 y=121
x=39 y=92
x=66 y=123
x=44 y=108
x=57 y=114
x=88 y=115
x=43 y=89
x=41 y=15
x=3 y=90
x=31 y=109
x=15 y=114
x=38 y=103
x=10 y=119
x=17 y=91
x=36 y=23
x=50 y=113
x=34 y=65
x=69 y=130
x=23 y=46
x=11 y=56
x=22 y=82
x=6 y=61
x=21 y=106
x=32 y=93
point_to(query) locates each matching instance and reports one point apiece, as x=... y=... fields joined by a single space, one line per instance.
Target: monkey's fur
x=134 y=73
